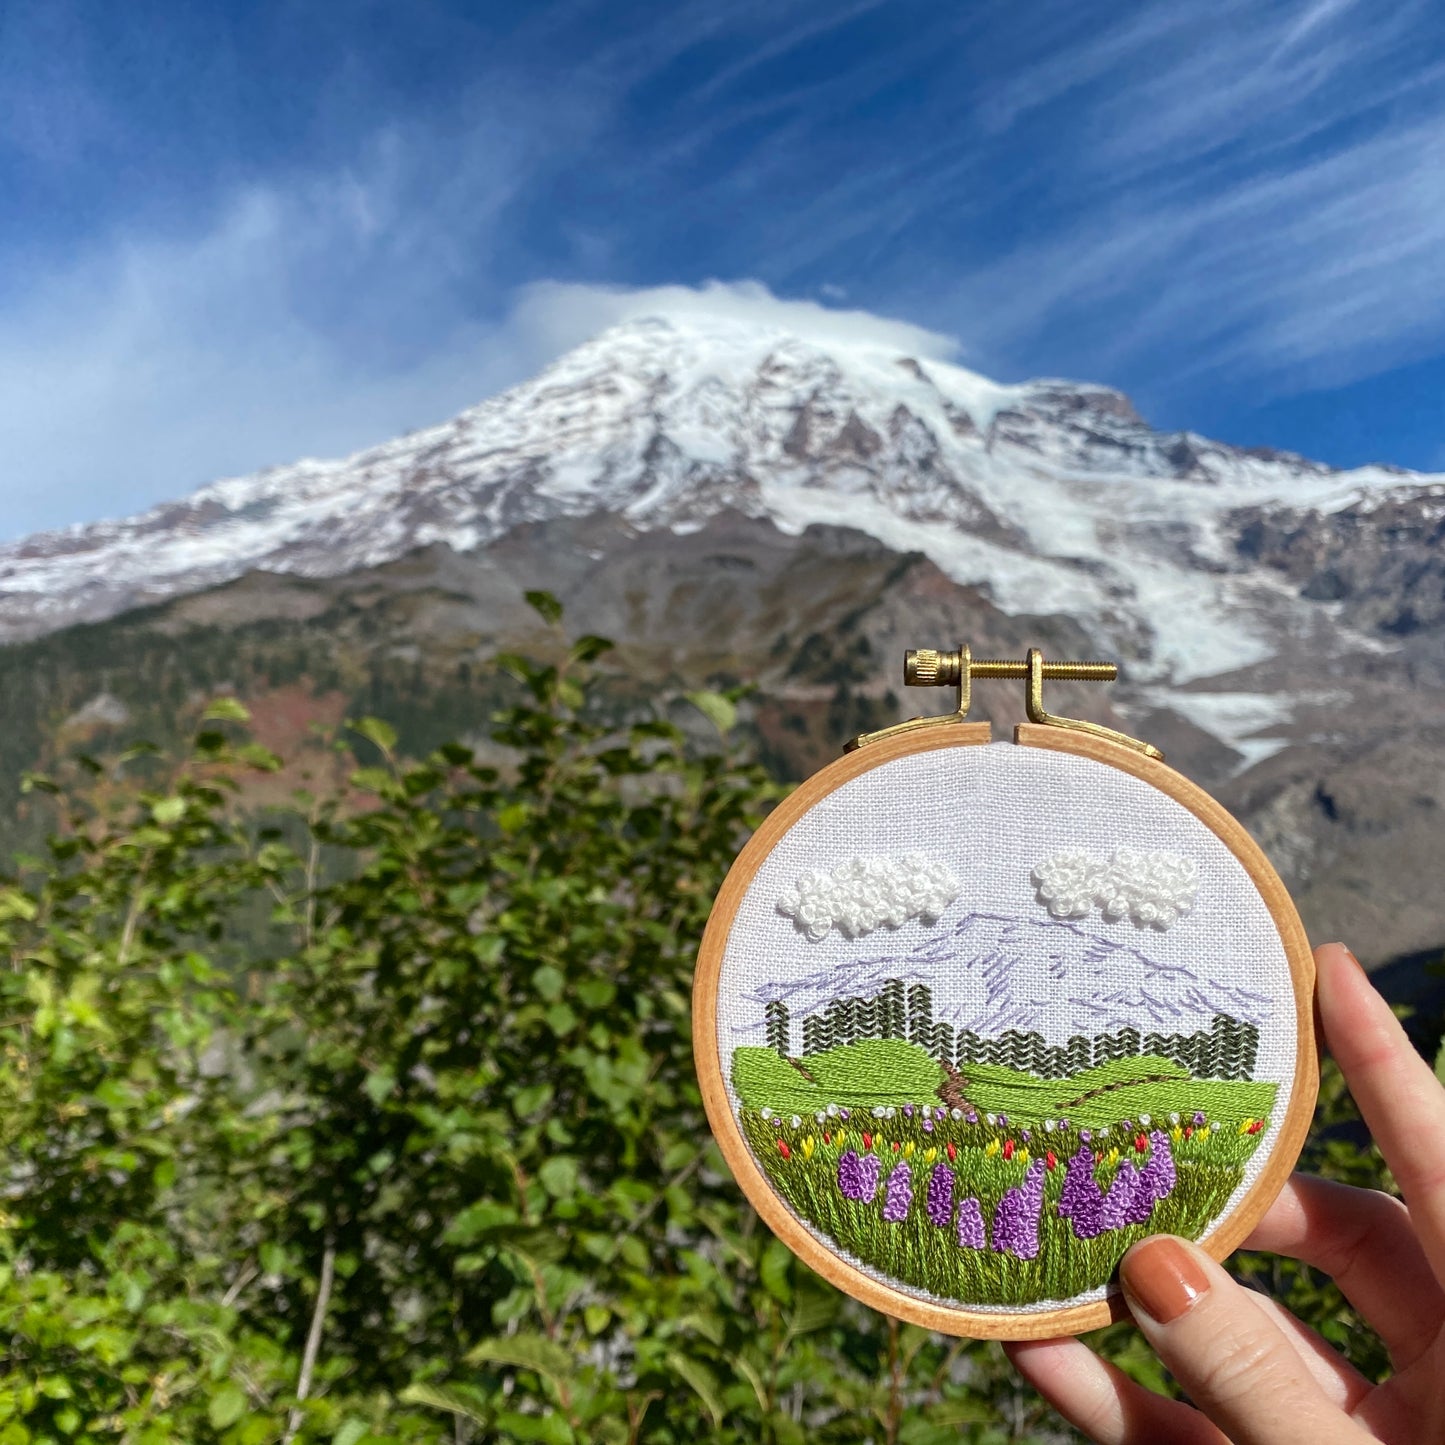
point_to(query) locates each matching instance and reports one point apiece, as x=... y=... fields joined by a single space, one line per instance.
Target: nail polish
x=1163 y=1278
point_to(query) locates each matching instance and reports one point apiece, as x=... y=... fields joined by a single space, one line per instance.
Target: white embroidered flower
x=862 y=894
x=797 y=1122
x=1153 y=888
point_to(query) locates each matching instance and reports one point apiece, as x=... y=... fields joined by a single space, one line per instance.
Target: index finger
x=1398 y=1094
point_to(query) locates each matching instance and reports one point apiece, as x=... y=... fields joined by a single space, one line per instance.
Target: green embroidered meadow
x=1000 y=1188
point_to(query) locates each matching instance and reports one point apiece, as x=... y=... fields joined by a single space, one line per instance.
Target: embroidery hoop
x=1069 y=736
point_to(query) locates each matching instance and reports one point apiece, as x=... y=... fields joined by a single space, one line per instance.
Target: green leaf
x=559 y=1176
x=702 y=1380
x=545 y=605
x=351 y=1429
x=226 y=1405
x=226 y=709
x=549 y=981
x=1440 y=1062
x=525 y=1352
x=169 y=810
x=454 y=1401
x=479 y=1219
x=379 y=1085
x=375 y=730
x=720 y=711
x=773 y=1271
x=585 y=649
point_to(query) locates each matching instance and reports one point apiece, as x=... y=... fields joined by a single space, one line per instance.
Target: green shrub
x=379 y=1123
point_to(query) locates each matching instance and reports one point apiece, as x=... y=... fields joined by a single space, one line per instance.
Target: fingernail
x=1163 y=1278
x=1350 y=954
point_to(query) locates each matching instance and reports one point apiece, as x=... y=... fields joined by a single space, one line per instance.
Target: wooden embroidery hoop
x=1230 y=1230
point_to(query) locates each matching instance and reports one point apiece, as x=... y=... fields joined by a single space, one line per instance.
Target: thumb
x=1233 y=1361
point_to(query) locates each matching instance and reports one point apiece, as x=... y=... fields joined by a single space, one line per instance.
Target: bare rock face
x=1382 y=558
x=736 y=502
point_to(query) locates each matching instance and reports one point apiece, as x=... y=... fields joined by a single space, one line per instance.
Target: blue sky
x=232 y=234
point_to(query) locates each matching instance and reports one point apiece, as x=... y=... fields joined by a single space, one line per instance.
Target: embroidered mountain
x=1226 y=1050
x=1031 y=993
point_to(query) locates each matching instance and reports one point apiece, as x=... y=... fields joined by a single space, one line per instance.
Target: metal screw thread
x=928 y=667
x=1064 y=671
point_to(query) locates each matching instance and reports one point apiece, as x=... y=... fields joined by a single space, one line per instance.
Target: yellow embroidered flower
x=992 y=1149
x=929 y=1155
x=841 y=1138
x=809 y=1144
x=1244 y=1127
x=908 y=1149
x=1022 y=1157
x=1177 y=1133
x=1113 y=1156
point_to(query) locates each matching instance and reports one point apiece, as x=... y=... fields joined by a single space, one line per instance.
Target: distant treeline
x=1226 y=1050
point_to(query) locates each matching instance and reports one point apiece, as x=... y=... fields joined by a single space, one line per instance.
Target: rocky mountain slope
x=733 y=502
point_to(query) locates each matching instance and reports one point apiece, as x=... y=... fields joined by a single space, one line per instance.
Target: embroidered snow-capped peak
x=1152 y=887
x=862 y=894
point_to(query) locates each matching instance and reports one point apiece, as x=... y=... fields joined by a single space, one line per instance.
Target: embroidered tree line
x=1228 y=1049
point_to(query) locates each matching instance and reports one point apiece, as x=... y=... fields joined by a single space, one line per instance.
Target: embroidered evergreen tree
x=1228 y=1049
x=776 y=1016
x=920 y=1015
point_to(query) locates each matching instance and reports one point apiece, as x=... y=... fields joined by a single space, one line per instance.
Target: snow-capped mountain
x=734 y=502
x=989 y=973
x=1047 y=497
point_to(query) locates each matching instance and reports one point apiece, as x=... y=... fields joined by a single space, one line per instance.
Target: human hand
x=1256 y=1374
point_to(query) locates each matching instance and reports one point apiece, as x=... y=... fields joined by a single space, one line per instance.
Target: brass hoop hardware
x=928 y=667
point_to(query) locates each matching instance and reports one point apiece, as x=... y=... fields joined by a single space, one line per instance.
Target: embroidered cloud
x=862 y=894
x=1154 y=888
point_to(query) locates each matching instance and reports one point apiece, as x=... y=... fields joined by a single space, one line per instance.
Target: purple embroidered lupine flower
x=858 y=1177
x=1086 y=1136
x=1025 y=1135
x=908 y=1111
x=1078 y=1183
x=940 y=1113
x=1016 y=1221
x=1003 y=1121
x=1199 y=1119
x=1162 y=1161
x=1156 y=1180
x=970 y=1224
x=971 y=1117
x=899 y=1194
x=928 y=1126
x=842 y=1113
x=940 y=1195
x=1087 y=1215
x=1114 y=1214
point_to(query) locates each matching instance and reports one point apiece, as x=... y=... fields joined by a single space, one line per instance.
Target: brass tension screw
x=927 y=667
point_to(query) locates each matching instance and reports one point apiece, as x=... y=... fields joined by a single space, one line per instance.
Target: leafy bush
x=379 y=1123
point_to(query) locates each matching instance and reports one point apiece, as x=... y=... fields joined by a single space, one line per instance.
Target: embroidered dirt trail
x=1122 y=1084
x=800 y=1067
x=951 y=1090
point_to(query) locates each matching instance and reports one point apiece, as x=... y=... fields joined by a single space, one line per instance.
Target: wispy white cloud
x=550 y=317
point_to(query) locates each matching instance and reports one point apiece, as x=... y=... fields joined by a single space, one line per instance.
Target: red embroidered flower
x=867 y=1140
x=1098 y=1156
x=895 y=1146
x=1255 y=1127
x=827 y=1137
x=1052 y=1160
x=784 y=1150
x=1008 y=1148
x=952 y=1150
x=1189 y=1131
x=1141 y=1143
